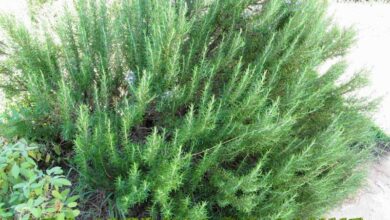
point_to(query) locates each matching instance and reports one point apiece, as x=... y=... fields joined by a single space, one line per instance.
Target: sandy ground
x=373 y=201
x=372 y=51
x=372 y=22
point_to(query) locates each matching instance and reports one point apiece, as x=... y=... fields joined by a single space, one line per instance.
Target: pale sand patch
x=372 y=202
x=372 y=51
x=372 y=21
x=19 y=8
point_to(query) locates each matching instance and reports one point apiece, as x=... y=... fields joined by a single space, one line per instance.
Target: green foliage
x=194 y=109
x=28 y=193
x=382 y=141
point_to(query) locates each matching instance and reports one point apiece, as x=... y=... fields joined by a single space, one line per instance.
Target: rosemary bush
x=193 y=109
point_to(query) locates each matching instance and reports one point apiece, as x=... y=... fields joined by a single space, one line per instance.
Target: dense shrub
x=382 y=142
x=28 y=193
x=194 y=108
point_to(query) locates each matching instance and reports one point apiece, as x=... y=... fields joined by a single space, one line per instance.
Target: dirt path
x=372 y=51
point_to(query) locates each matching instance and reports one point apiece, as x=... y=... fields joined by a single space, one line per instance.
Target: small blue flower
x=131 y=77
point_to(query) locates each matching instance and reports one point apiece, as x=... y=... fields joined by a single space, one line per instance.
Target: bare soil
x=372 y=51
